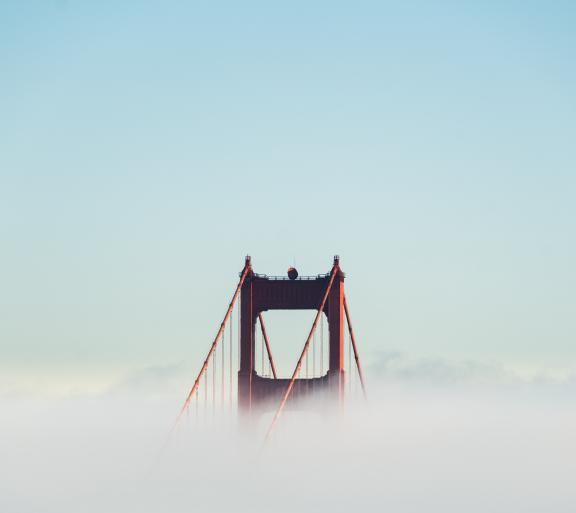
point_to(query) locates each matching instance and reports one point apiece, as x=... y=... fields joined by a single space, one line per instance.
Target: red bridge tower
x=261 y=293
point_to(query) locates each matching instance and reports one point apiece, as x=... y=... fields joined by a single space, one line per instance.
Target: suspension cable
x=214 y=366
x=267 y=342
x=349 y=366
x=239 y=332
x=351 y=331
x=223 y=370
x=247 y=268
x=322 y=346
x=262 y=353
x=314 y=355
x=205 y=394
x=230 y=356
x=307 y=374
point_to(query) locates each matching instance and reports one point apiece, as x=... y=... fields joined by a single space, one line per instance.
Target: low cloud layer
x=408 y=450
x=385 y=366
x=395 y=366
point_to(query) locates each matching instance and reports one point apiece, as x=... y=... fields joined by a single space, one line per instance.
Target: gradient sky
x=146 y=147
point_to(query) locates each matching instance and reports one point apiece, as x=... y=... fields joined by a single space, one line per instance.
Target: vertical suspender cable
x=307 y=373
x=238 y=340
x=223 y=370
x=252 y=355
x=230 y=356
x=314 y=355
x=256 y=351
x=354 y=347
x=239 y=331
x=205 y=394
x=247 y=268
x=322 y=346
x=214 y=365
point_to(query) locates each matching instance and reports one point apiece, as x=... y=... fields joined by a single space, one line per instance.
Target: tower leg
x=335 y=312
x=247 y=326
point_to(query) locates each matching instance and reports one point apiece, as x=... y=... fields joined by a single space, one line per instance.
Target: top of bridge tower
x=287 y=278
x=248 y=263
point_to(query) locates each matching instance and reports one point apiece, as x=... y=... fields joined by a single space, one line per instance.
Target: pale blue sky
x=146 y=147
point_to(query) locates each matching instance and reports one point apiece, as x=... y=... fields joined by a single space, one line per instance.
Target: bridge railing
x=286 y=278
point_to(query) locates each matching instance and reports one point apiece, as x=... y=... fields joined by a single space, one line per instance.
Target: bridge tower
x=261 y=293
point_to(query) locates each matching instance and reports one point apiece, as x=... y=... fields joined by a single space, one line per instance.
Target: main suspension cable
x=267 y=342
x=245 y=271
x=349 y=365
x=355 y=348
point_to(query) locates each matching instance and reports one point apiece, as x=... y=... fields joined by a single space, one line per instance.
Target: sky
x=147 y=147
